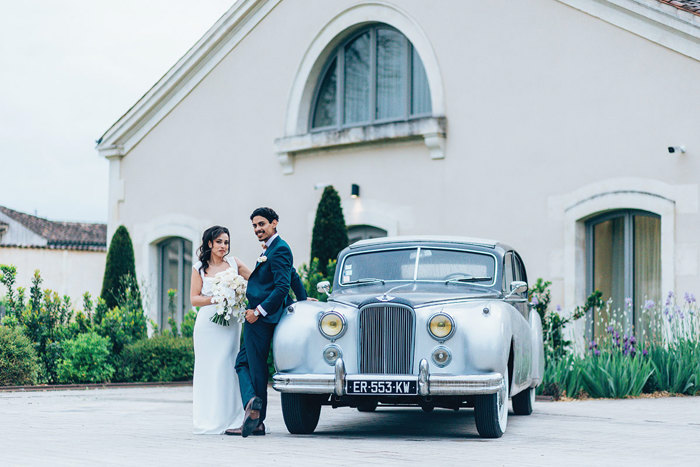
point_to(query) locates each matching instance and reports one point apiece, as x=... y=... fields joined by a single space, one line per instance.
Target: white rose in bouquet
x=229 y=297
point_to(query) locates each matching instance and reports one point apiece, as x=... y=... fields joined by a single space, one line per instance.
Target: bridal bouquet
x=229 y=297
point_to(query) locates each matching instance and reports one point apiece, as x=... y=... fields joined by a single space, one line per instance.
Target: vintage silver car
x=418 y=321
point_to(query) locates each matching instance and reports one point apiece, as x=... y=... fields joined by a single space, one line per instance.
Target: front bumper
x=428 y=385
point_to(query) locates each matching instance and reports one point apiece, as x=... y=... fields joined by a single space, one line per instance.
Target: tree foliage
x=120 y=262
x=330 y=235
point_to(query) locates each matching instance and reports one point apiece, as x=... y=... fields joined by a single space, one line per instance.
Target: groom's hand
x=250 y=316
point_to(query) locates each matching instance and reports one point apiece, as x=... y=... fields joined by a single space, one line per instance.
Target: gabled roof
x=674 y=24
x=183 y=77
x=62 y=235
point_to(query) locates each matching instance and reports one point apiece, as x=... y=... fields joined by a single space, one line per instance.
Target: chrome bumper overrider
x=428 y=385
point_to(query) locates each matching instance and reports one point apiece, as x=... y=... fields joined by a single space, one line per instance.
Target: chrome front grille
x=386 y=339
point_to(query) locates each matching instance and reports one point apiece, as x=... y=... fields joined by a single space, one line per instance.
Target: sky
x=68 y=70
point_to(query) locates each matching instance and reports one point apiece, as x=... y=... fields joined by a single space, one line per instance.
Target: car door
x=513 y=270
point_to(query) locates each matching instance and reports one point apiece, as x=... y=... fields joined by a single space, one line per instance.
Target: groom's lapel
x=266 y=253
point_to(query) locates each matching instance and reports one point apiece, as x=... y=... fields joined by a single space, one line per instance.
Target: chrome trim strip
x=436 y=385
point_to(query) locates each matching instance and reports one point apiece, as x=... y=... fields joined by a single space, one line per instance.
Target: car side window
x=507 y=272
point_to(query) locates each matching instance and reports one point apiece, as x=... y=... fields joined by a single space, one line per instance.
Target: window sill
x=432 y=130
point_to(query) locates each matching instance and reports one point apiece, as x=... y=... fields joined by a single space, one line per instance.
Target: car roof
x=427 y=239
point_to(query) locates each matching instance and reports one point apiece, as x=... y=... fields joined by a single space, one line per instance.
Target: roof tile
x=68 y=235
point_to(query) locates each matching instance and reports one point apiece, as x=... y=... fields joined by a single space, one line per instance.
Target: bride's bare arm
x=196 y=297
x=243 y=270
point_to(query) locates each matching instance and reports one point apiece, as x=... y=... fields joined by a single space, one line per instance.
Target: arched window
x=375 y=76
x=363 y=232
x=175 y=258
x=623 y=259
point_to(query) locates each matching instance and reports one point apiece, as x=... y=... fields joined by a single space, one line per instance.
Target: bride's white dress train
x=216 y=396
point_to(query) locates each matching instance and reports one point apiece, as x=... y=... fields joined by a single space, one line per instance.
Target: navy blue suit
x=268 y=286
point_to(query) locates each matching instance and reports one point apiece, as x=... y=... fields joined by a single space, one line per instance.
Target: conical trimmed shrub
x=330 y=235
x=120 y=262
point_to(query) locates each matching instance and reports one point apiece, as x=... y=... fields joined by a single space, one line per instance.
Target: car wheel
x=301 y=412
x=524 y=402
x=369 y=406
x=491 y=412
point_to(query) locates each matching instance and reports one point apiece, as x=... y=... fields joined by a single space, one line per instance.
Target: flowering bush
x=664 y=356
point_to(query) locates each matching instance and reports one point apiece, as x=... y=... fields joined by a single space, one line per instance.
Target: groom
x=268 y=296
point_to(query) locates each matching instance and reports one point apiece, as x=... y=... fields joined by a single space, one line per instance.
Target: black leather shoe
x=260 y=430
x=234 y=431
x=252 y=416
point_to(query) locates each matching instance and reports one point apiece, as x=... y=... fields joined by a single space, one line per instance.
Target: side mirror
x=325 y=287
x=516 y=288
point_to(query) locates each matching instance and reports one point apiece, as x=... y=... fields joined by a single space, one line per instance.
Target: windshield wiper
x=364 y=280
x=463 y=280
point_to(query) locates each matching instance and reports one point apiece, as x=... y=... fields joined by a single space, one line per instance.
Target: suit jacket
x=270 y=281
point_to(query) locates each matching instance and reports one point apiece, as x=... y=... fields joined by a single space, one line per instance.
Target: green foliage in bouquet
x=85 y=359
x=120 y=263
x=160 y=358
x=19 y=364
x=330 y=235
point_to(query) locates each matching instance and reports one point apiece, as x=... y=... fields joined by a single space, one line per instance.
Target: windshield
x=432 y=264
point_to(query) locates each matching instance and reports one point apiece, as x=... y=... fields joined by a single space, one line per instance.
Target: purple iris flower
x=649 y=304
x=669 y=297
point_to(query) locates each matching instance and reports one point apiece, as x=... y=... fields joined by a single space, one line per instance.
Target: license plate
x=374 y=387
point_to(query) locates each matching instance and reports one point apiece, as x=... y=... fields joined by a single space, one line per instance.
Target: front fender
x=480 y=343
x=297 y=343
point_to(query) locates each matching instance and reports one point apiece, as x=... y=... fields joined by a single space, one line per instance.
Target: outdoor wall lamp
x=676 y=149
x=355 y=191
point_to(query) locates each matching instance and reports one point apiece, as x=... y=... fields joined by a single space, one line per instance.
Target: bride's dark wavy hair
x=204 y=251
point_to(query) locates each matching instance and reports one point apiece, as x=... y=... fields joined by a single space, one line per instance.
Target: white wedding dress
x=216 y=396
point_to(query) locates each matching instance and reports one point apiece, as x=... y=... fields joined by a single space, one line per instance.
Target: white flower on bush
x=229 y=297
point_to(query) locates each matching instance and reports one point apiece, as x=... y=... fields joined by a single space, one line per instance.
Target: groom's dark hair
x=267 y=213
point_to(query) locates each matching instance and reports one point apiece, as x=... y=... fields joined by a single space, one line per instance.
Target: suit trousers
x=251 y=363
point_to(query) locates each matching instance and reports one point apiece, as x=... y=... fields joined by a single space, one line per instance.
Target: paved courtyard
x=151 y=426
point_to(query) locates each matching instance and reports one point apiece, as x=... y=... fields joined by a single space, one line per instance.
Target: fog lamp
x=331 y=354
x=441 y=326
x=442 y=356
x=331 y=325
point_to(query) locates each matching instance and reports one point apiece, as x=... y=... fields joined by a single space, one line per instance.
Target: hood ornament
x=385 y=298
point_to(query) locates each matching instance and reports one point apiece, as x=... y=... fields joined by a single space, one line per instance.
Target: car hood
x=413 y=294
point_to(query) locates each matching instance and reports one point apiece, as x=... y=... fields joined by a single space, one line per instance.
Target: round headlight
x=442 y=356
x=331 y=354
x=441 y=326
x=331 y=325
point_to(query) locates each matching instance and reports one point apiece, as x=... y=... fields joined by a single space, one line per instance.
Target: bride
x=216 y=396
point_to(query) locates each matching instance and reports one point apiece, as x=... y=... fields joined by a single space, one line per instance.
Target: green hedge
x=160 y=358
x=19 y=364
x=85 y=359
